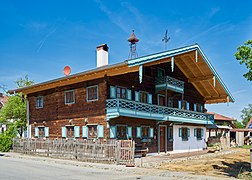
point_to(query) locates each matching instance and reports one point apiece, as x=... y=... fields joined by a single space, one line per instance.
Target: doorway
x=162 y=139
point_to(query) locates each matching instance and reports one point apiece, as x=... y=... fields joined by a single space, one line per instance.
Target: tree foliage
x=246 y=115
x=238 y=124
x=13 y=114
x=244 y=55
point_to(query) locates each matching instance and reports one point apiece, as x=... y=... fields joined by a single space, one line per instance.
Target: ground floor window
x=184 y=133
x=121 y=132
x=41 y=132
x=169 y=133
x=145 y=132
x=70 y=131
x=198 y=133
x=92 y=131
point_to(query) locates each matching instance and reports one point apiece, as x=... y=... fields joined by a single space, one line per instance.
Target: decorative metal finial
x=166 y=39
x=133 y=40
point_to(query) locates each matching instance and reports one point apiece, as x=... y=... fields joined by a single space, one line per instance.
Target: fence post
x=75 y=149
x=48 y=145
x=251 y=160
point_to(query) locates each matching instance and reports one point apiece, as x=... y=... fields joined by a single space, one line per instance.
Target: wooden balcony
x=123 y=107
x=167 y=82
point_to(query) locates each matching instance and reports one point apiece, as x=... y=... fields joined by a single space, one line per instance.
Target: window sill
x=199 y=139
x=184 y=139
x=146 y=140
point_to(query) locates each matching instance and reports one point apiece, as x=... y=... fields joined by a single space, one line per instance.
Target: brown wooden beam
x=223 y=96
x=201 y=78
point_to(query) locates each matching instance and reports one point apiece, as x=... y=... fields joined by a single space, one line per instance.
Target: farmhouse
x=157 y=100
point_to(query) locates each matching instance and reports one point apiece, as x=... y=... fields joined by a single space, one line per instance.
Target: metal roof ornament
x=133 y=40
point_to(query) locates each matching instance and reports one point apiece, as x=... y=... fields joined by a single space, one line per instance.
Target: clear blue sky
x=39 y=38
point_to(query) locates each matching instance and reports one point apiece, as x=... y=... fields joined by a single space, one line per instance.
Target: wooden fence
x=110 y=151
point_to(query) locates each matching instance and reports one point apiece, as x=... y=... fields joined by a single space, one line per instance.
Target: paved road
x=20 y=167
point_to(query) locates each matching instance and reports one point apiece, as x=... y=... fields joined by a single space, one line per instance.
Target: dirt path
x=236 y=165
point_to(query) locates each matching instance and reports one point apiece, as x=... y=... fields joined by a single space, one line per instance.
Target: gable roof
x=189 y=59
x=219 y=117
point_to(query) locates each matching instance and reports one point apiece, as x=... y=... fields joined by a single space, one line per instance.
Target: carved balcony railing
x=122 y=107
x=167 y=82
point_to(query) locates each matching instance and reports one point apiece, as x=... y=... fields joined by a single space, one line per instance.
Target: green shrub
x=6 y=139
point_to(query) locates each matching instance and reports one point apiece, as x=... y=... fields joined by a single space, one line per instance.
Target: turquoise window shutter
x=151 y=133
x=112 y=131
x=168 y=132
x=180 y=104
x=36 y=131
x=201 y=108
x=188 y=132
x=84 y=131
x=195 y=107
x=112 y=92
x=129 y=94
x=195 y=132
x=150 y=98
x=46 y=131
x=180 y=132
x=63 y=132
x=77 y=131
x=187 y=105
x=129 y=132
x=138 y=132
x=100 y=129
x=137 y=96
x=202 y=132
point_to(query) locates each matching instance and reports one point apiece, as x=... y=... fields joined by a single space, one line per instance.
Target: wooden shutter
x=201 y=108
x=112 y=92
x=138 y=132
x=202 y=132
x=180 y=132
x=129 y=132
x=187 y=105
x=137 y=96
x=195 y=132
x=46 y=131
x=84 y=131
x=100 y=129
x=151 y=132
x=180 y=104
x=188 y=132
x=77 y=131
x=36 y=131
x=112 y=131
x=63 y=132
x=195 y=107
x=128 y=94
x=150 y=98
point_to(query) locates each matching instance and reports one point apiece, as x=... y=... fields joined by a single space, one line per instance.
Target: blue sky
x=39 y=38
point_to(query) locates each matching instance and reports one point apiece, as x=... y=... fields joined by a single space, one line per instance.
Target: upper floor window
x=39 y=102
x=121 y=92
x=143 y=97
x=92 y=93
x=69 y=97
x=160 y=72
x=198 y=107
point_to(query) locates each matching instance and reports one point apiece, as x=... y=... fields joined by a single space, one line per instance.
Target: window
x=198 y=107
x=121 y=132
x=160 y=72
x=92 y=93
x=143 y=97
x=70 y=131
x=169 y=133
x=39 y=102
x=69 y=97
x=41 y=133
x=145 y=132
x=92 y=131
x=121 y=92
x=198 y=133
x=184 y=133
x=186 y=105
x=161 y=100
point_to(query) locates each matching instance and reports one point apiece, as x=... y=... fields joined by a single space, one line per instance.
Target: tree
x=238 y=124
x=246 y=115
x=244 y=55
x=13 y=114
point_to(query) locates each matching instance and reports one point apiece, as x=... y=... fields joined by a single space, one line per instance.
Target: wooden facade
x=127 y=103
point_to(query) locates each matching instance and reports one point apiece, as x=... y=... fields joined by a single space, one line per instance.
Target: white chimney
x=102 y=55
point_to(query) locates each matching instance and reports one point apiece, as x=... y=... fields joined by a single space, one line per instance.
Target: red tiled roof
x=220 y=117
x=3 y=99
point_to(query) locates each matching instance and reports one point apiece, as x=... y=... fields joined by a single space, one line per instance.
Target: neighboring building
x=3 y=101
x=157 y=100
x=219 y=132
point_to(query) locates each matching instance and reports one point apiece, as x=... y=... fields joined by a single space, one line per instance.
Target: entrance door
x=169 y=138
x=162 y=138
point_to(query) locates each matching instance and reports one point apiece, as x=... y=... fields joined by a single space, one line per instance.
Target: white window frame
x=73 y=97
x=97 y=93
x=39 y=107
